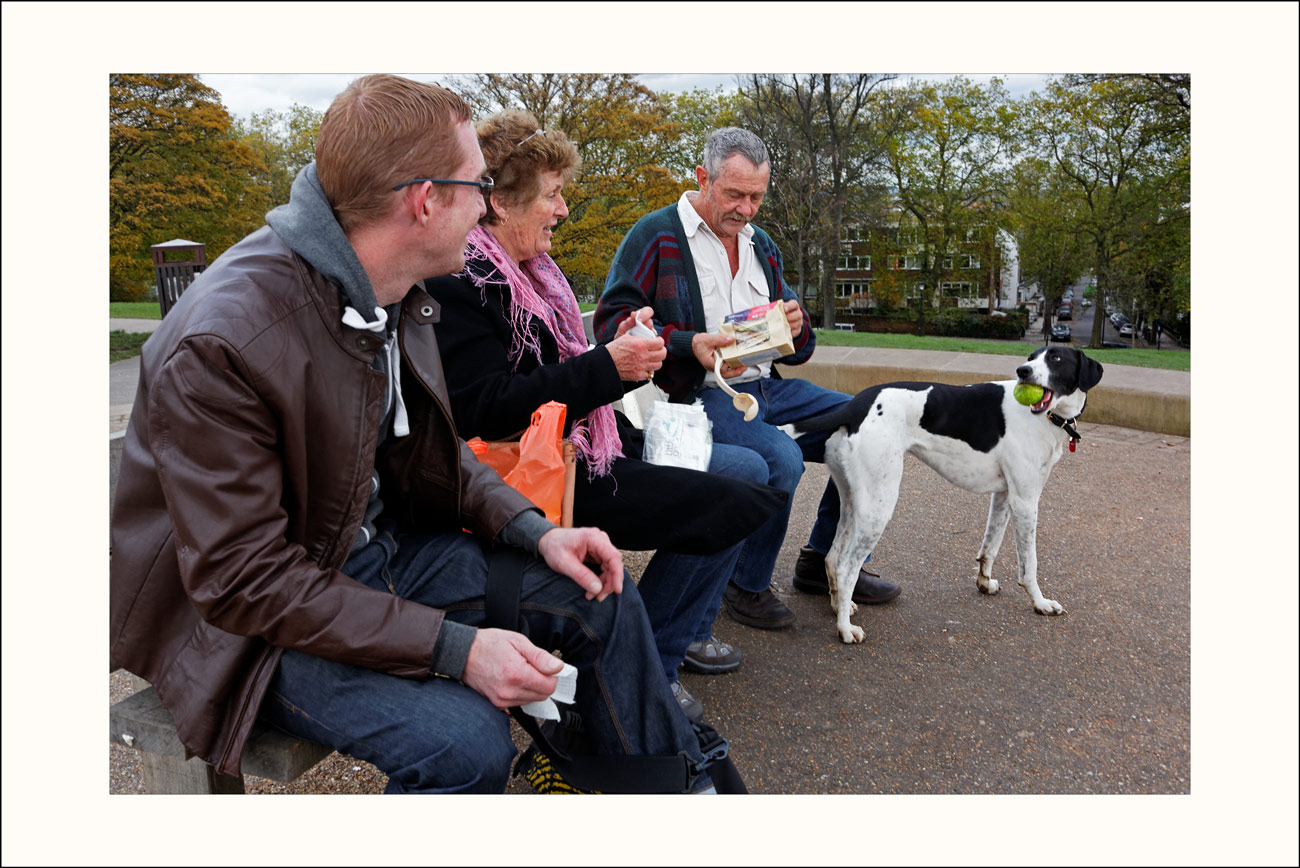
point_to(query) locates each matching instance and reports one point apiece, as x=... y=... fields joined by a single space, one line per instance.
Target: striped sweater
x=653 y=266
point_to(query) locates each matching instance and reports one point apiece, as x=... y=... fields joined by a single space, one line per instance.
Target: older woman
x=511 y=337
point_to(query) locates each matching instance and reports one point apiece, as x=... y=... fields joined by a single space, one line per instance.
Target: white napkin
x=565 y=688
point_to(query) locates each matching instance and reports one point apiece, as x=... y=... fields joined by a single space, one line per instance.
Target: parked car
x=1118 y=319
x=1064 y=313
x=1126 y=330
x=1061 y=332
x=1087 y=303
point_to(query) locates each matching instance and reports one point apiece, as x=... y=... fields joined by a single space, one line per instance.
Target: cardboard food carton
x=762 y=333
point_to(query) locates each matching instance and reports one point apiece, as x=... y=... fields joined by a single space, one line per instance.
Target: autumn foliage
x=176 y=170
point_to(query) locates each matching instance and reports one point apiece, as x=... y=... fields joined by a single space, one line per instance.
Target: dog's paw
x=986 y=585
x=852 y=635
x=1049 y=607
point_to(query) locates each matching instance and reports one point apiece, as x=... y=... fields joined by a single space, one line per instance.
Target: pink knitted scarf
x=539 y=290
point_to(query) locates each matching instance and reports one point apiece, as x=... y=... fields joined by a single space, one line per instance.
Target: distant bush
x=966 y=323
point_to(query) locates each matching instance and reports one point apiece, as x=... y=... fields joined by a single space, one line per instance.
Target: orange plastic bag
x=540 y=465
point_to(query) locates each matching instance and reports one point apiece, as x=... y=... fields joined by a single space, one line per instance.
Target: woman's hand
x=636 y=358
x=568 y=550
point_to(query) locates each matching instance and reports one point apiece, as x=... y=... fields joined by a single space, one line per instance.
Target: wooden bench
x=142 y=723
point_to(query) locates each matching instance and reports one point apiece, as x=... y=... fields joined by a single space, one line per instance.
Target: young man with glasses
x=287 y=535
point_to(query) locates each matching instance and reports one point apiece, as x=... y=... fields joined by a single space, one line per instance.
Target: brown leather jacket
x=245 y=474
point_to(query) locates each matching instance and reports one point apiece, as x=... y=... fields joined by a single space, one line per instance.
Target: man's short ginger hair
x=383 y=130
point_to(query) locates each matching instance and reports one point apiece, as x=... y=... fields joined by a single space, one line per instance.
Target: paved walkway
x=1142 y=398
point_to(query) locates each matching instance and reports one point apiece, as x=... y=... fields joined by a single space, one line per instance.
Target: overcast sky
x=246 y=93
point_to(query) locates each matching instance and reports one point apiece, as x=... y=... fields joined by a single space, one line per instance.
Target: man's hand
x=703 y=345
x=566 y=548
x=794 y=316
x=509 y=670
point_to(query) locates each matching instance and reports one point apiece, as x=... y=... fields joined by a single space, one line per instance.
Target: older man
x=287 y=535
x=695 y=262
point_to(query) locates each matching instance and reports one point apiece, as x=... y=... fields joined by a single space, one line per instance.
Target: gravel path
x=953 y=691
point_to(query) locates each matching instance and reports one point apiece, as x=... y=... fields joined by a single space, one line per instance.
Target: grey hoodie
x=308 y=226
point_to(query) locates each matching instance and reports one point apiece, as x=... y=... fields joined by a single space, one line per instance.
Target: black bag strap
x=614 y=773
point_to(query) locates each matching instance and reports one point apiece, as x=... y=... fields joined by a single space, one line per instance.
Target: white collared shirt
x=721 y=292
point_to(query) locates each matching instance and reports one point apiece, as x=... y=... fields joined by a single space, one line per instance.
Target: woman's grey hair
x=729 y=141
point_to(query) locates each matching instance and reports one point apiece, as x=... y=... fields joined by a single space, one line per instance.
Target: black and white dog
x=977 y=437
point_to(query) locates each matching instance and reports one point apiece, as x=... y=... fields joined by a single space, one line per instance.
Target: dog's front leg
x=999 y=512
x=1025 y=514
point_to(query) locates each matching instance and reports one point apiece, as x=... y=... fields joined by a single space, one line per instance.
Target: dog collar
x=1066 y=425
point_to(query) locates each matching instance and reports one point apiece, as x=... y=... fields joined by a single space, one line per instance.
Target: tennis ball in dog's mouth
x=1028 y=394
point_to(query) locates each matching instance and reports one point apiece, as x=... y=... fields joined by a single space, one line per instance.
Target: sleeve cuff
x=452 y=648
x=525 y=530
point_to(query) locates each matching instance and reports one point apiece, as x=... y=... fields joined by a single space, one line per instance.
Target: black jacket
x=641 y=506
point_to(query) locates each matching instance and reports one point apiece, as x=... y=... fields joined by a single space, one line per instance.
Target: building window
x=853 y=295
x=850 y=262
x=969 y=260
x=958 y=288
x=906 y=263
x=947 y=263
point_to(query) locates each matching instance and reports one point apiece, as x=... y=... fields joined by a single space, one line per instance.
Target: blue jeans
x=439 y=736
x=682 y=593
x=779 y=402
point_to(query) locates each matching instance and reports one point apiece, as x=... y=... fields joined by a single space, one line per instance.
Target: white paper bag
x=678 y=435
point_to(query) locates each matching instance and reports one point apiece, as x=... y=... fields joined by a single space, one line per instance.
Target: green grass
x=1171 y=360
x=134 y=310
x=124 y=345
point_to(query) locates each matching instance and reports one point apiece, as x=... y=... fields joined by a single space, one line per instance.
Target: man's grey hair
x=729 y=141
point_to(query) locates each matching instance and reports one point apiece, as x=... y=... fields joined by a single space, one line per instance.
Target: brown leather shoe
x=762 y=610
x=810 y=578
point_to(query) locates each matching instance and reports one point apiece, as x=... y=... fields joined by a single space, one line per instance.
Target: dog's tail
x=848 y=414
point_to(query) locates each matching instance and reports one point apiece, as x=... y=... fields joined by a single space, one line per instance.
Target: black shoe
x=762 y=610
x=810 y=578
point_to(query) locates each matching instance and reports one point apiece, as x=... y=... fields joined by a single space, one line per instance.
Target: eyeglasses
x=485 y=184
x=529 y=136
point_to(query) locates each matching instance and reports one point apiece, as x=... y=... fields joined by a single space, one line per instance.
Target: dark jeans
x=780 y=402
x=439 y=736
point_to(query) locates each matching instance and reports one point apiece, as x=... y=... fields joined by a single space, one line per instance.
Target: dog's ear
x=1089 y=372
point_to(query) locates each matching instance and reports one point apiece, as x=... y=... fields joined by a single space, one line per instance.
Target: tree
x=285 y=142
x=948 y=161
x=625 y=135
x=825 y=133
x=1121 y=144
x=697 y=113
x=1045 y=225
x=176 y=169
